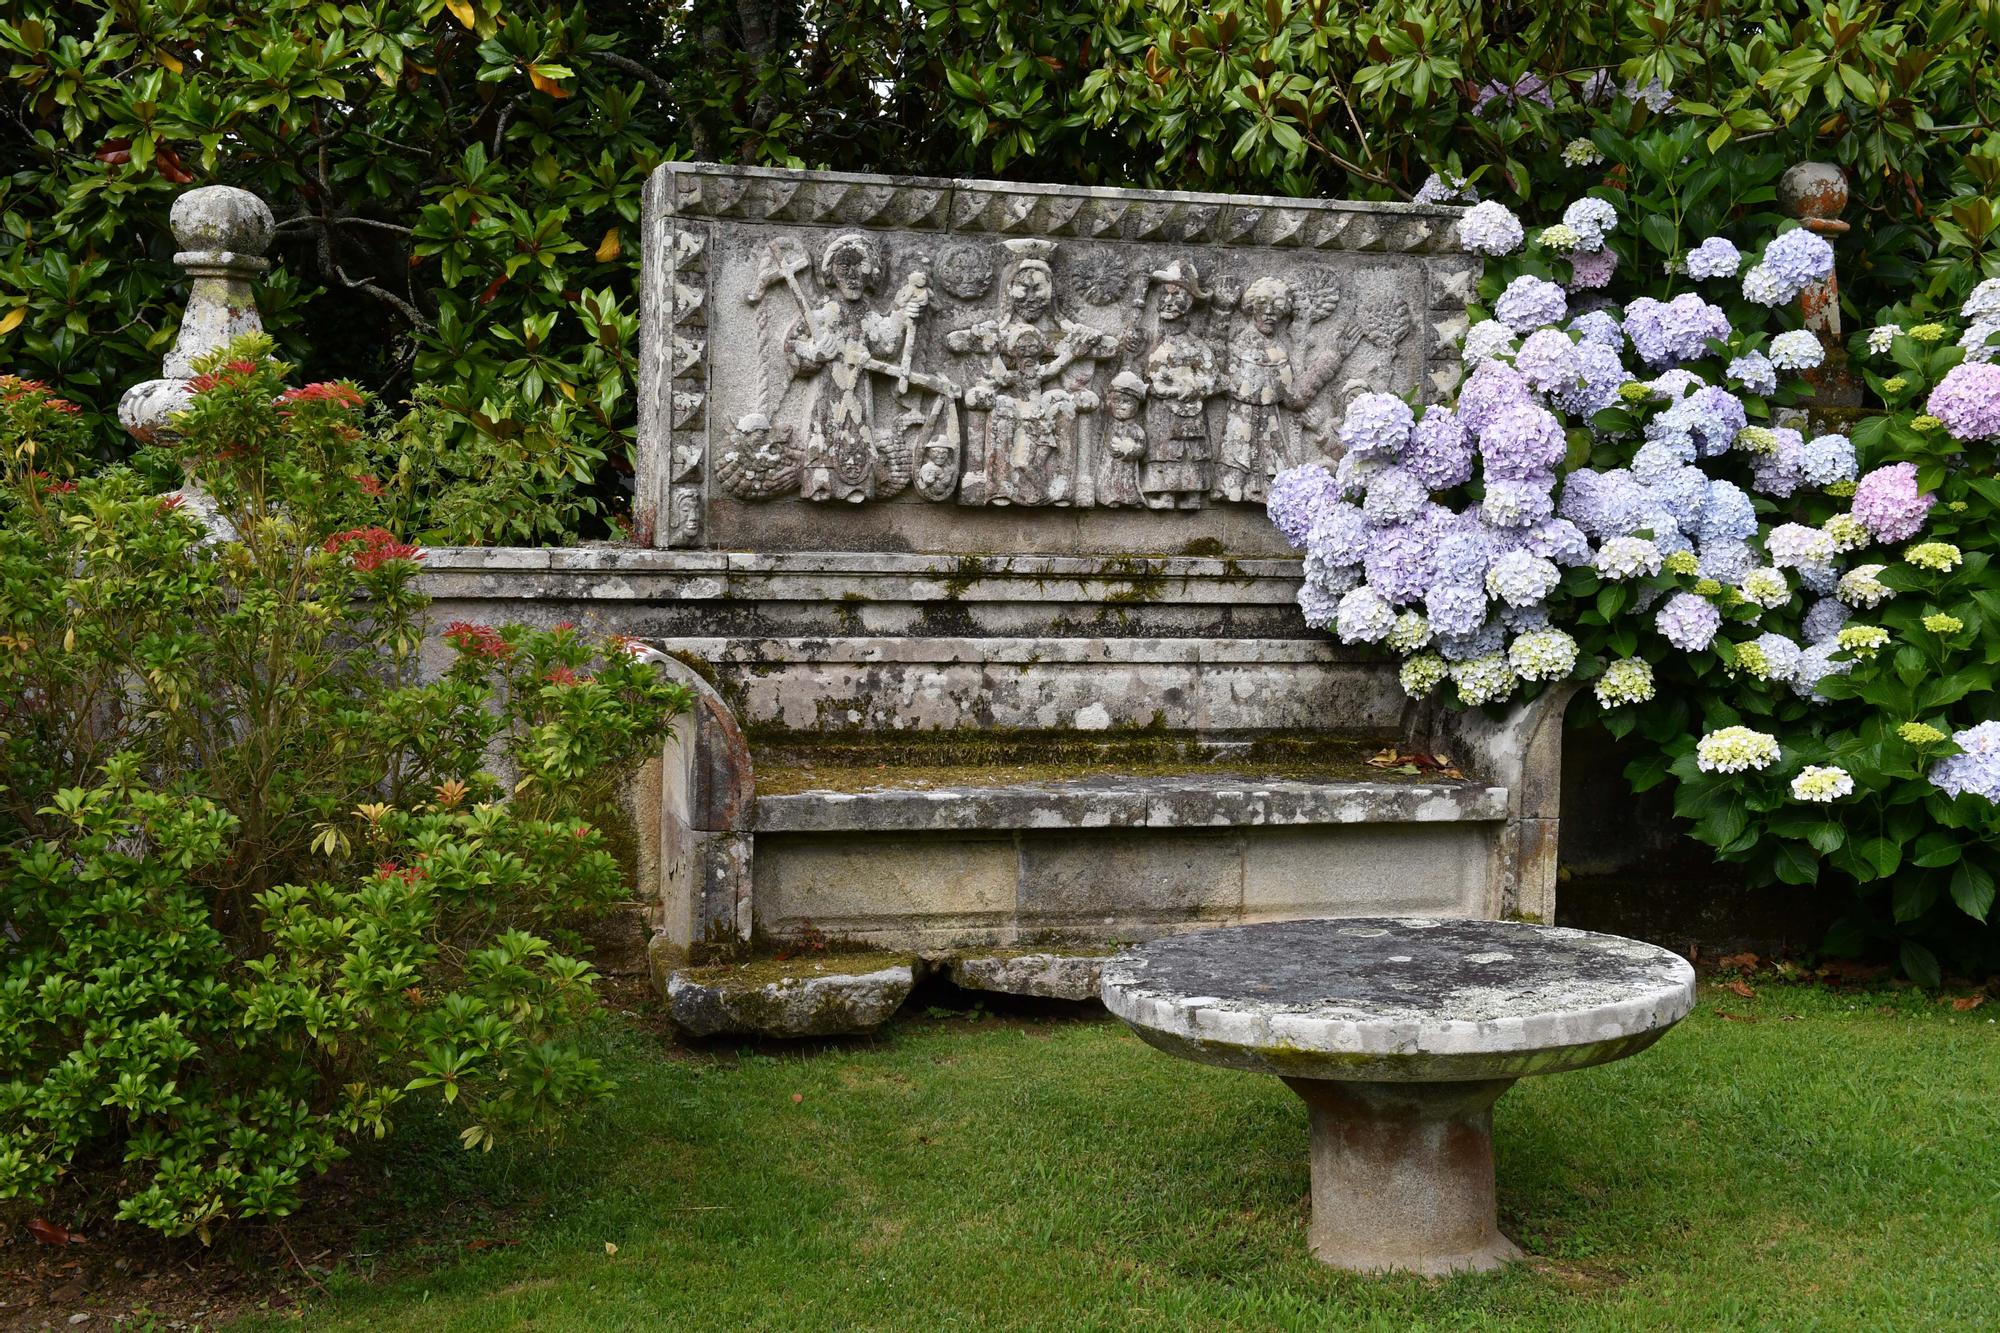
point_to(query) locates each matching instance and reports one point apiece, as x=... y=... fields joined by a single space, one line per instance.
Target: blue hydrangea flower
x=1663 y=332
x=1339 y=536
x=1754 y=371
x=1482 y=640
x=1728 y=513
x=1726 y=560
x=1824 y=620
x=1599 y=375
x=1827 y=459
x=1462 y=558
x=1398 y=563
x=1559 y=540
x=1454 y=610
x=1780 y=472
x=1764 y=288
x=1395 y=495
x=1715 y=257
x=1590 y=218
x=1797 y=259
x=1977 y=770
x=1599 y=326
x=1547 y=359
x=1518 y=503
x=1682 y=492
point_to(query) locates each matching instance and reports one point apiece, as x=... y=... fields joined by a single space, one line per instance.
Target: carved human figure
x=1257 y=438
x=1031 y=427
x=1118 y=485
x=839 y=345
x=1179 y=368
x=1061 y=350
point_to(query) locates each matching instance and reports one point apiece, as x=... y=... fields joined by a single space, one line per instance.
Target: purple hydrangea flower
x=1715 y=257
x=1481 y=640
x=1521 y=441
x=1491 y=388
x=1518 y=503
x=1818 y=578
x=1659 y=458
x=1888 y=503
x=1559 y=540
x=1599 y=374
x=1332 y=580
x=1780 y=472
x=1781 y=657
x=1376 y=423
x=1531 y=303
x=1398 y=563
x=1395 y=495
x=1547 y=359
x=1530 y=87
x=1318 y=605
x=1681 y=492
x=1688 y=622
x=1438 y=453
x=1462 y=558
x=1591 y=270
x=1443 y=188
x=1828 y=459
x=1967 y=401
x=1603 y=504
x=1797 y=259
x=1676 y=330
x=1298 y=497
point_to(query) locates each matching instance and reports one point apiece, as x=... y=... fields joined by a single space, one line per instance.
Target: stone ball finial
x=1816 y=194
x=222 y=219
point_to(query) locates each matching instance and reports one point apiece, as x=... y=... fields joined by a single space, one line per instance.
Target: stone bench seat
x=1213 y=800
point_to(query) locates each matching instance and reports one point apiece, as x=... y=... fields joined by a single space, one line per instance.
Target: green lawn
x=1819 y=1160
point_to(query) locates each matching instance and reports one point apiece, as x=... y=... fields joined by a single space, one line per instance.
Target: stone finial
x=1815 y=193
x=223 y=232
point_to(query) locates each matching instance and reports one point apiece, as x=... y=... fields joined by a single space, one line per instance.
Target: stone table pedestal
x=1400 y=1034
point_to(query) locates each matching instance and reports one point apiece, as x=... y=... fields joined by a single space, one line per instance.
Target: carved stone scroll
x=864 y=363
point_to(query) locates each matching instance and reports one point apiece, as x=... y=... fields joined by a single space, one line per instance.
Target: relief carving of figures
x=1125 y=450
x=1029 y=449
x=1180 y=375
x=848 y=447
x=1258 y=440
x=1358 y=356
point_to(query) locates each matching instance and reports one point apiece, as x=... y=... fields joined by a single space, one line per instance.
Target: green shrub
x=260 y=884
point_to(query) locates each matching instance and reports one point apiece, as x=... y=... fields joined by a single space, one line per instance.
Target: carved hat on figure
x=1183 y=274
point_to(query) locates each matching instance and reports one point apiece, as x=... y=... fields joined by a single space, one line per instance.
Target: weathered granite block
x=840 y=362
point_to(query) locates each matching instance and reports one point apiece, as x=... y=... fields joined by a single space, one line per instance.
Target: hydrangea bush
x=1629 y=495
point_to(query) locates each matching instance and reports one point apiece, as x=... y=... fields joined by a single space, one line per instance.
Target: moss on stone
x=735 y=979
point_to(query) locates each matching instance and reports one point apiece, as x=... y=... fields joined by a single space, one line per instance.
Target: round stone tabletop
x=1399 y=999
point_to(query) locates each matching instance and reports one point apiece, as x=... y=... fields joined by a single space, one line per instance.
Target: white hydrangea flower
x=1543 y=654
x=1882 y=337
x=1984 y=302
x=1581 y=153
x=1420 y=675
x=1484 y=341
x=1560 y=237
x=1364 y=617
x=1627 y=682
x=1766 y=588
x=1410 y=632
x=1822 y=784
x=1490 y=229
x=1763 y=286
x=1797 y=349
x=1734 y=749
x=1483 y=680
x=1628 y=557
x=1860 y=588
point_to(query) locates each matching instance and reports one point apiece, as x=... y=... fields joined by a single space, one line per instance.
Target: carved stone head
x=1268 y=303
x=850 y=266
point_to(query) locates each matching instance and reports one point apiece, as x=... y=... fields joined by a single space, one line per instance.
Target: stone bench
x=951 y=500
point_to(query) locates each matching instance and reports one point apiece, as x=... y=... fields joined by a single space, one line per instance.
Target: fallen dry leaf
x=1738 y=962
x=1965 y=1002
x=1742 y=988
x=48 y=1233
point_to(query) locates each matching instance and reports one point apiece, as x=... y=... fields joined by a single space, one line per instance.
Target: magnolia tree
x=1631 y=496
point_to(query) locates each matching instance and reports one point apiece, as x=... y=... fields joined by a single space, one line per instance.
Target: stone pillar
x=1402 y=1176
x=223 y=233
x=1816 y=194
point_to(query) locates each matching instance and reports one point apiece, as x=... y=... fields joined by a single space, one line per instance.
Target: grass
x=1807 y=1159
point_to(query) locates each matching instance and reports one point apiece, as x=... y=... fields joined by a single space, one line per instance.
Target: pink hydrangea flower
x=1888 y=503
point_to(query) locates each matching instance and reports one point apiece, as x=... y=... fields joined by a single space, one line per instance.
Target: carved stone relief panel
x=843 y=362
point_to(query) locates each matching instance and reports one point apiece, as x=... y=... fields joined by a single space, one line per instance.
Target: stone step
x=838 y=995
x=1112 y=801
x=1051 y=974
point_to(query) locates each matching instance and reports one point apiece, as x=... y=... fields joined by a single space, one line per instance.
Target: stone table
x=1400 y=1034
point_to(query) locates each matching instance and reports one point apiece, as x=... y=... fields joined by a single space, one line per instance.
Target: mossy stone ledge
x=835 y=996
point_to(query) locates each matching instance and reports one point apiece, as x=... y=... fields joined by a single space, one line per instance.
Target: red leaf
x=1966 y=1002
x=48 y=1233
x=115 y=152
x=168 y=163
x=486 y=297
